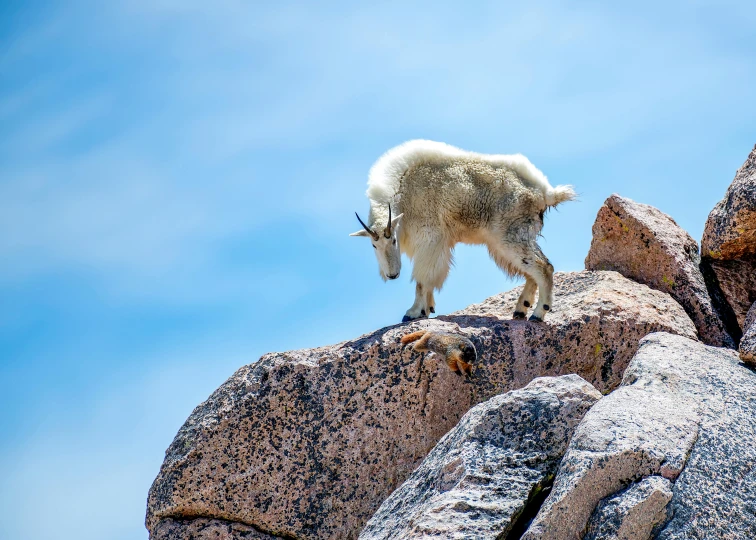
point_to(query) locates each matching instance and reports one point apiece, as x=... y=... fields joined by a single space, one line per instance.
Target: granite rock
x=729 y=241
x=646 y=245
x=737 y=281
x=685 y=412
x=632 y=513
x=479 y=479
x=730 y=231
x=748 y=343
x=309 y=443
x=206 y=529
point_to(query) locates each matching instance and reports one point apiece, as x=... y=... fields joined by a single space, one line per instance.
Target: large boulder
x=729 y=240
x=309 y=443
x=748 y=343
x=685 y=412
x=646 y=245
x=481 y=476
x=730 y=231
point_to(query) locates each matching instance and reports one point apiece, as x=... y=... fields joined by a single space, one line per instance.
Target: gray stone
x=308 y=444
x=632 y=513
x=748 y=343
x=647 y=246
x=480 y=477
x=684 y=411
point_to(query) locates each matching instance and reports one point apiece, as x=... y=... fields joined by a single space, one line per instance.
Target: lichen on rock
x=728 y=246
x=648 y=246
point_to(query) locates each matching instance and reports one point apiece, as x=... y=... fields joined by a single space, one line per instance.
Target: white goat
x=441 y=195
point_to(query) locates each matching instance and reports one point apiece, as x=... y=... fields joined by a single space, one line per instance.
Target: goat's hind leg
x=543 y=272
x=528 y=260
x=430 y=301
x=526 y=299
x=503 y=256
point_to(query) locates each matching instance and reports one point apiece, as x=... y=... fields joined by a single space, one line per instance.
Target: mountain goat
x=440 y=196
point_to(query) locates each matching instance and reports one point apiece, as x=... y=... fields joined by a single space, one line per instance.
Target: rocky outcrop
x=685 y=412
x=729 y=241
x=479 y=479
x=207 y=529
x=748 y=343
x=647 y=246
x=632 y=513
x=308 y=444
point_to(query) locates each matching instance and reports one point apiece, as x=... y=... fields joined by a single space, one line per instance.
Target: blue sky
x=178 y=180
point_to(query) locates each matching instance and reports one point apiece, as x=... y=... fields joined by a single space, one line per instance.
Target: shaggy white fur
x=383 y=180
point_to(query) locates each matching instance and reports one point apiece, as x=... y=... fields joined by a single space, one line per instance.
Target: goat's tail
x=559 y=194
x=414 y=336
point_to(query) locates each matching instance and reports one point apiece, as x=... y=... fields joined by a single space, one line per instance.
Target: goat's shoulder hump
x=385 y=175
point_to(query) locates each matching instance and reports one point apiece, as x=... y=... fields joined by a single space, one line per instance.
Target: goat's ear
x=361 y=232
x=396 y=221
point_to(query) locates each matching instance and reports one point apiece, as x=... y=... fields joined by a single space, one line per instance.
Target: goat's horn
x=374 y=235
x=388 y=227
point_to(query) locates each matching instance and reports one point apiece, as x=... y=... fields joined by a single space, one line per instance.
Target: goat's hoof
x=432 y=309
x=422 y=313
x=518 y=315
x=406 y=318
x=533 y=318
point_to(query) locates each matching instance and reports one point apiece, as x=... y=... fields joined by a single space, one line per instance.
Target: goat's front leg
x=419 y=308
x=431 y=267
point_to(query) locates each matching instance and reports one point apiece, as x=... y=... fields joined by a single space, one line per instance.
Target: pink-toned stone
x=646 y=245
x=729 y=241
x=206 y=529
x=730 y=231
x=308 y=444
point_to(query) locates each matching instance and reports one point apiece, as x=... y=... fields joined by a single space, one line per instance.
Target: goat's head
x=385 y=244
